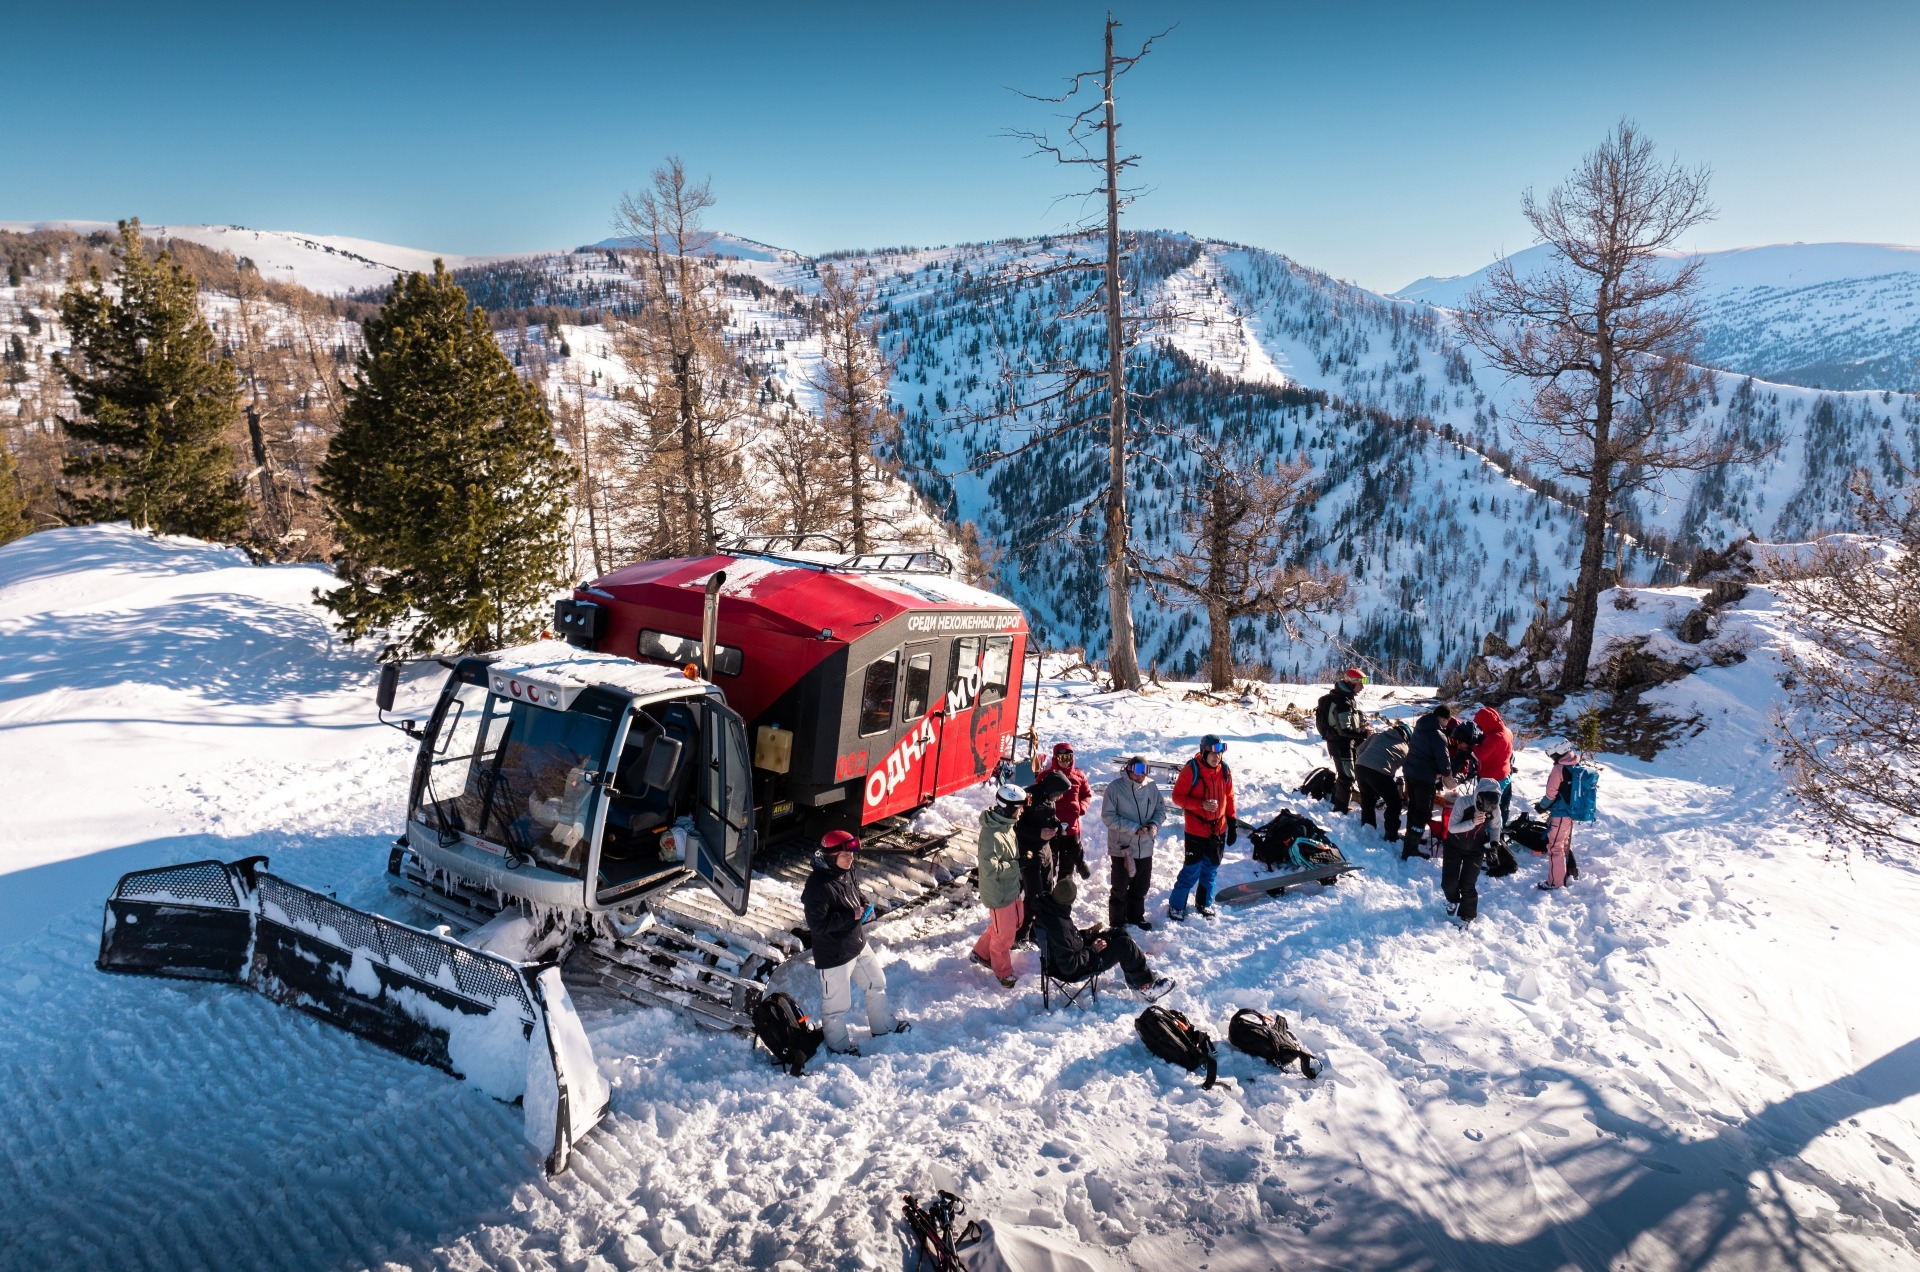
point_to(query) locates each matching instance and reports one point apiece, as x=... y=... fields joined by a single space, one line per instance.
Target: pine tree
x=449 y=492
x=156 y=402
x=13 y=500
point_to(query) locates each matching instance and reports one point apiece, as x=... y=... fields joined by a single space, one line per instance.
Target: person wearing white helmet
x=1132 y=811
x=1473 y=829
x=1000 y=883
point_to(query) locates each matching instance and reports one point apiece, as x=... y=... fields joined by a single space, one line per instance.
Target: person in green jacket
x=1000 y=883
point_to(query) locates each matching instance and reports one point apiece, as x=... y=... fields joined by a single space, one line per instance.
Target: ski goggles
x=1218 y=748
x=1137 y=768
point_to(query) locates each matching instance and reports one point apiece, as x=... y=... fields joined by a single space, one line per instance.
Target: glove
x=1233 y=834
x=1081 y=868
x=1129 y=861
x=866 y=915
x=1540 y=806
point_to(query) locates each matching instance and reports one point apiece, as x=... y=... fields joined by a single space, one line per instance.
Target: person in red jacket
x=1068 y=854
x=1494 y=752
x=1204 y=790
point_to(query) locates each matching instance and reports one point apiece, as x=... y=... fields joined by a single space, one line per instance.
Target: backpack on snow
x=1292 y=839
x=1583 y=792
x=782 y=1028
x=1500 y=861
x=1268 y=1037
x=1529 y=832
x=1317 y=784
x=1177 y=1040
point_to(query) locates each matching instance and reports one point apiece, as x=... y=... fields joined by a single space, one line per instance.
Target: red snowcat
x=595 y=808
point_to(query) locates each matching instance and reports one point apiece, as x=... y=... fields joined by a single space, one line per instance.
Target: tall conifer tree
x=449 y=491
x=13 y=501
x=149 y=444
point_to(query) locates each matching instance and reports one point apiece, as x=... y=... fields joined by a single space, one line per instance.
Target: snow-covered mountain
x=1422 y=502
x=1823 y=315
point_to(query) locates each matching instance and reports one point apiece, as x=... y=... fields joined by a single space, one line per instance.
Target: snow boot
x=974 y=955
x=1205 y=911
x=1145 y=925
x=1154 y=990
x=1178 y=916
x=1008 y=982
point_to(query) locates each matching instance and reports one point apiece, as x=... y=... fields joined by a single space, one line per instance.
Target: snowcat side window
x=919 y=685
x=995 y=668
x=966 y=656
x=678 y=651
x=454 y=797
x=876 y=694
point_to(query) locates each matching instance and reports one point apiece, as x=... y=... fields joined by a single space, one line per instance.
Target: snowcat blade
x=507 y=1027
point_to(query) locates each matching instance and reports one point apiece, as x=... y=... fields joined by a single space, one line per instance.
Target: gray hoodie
x=1129 y=808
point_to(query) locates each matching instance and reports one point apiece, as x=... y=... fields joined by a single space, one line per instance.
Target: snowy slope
x=327 y=263
x=1824 y=315
x=1693 y=1058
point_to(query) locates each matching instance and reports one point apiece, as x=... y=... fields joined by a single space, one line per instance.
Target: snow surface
x=1695 y=1057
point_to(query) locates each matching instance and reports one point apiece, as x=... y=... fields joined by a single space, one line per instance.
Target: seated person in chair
x=1071 y=954
x=649 y=789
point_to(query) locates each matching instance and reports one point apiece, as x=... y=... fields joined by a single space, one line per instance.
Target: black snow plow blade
x=508 y=1027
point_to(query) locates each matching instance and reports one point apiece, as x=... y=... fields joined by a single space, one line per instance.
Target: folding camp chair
x=1071 y=991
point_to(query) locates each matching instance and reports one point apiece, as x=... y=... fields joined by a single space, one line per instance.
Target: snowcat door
x=722 y=852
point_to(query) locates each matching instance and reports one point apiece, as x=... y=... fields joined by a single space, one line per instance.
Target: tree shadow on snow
x=1719 y=1199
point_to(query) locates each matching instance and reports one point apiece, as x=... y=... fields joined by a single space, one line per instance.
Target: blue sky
x=1377 y=141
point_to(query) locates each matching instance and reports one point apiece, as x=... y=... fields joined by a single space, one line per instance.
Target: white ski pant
x=836 y=998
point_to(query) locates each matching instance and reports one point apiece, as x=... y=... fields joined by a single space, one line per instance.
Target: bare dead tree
x=1242 y=518
x=1605 y=332
x=852 y=380
x=1850 y=741
x=1090 y=138
x=801 y=459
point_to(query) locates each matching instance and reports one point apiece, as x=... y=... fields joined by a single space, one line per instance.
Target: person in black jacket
x=1428 y=761
x=1035 y=832
x=837 y=912
x=1343 y=728
x=1073 y=954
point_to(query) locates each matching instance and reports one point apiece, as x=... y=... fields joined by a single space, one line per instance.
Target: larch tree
x=1243 y=517
x=450 y=494
x=692 y=392
x=1849 y=734
x=857 y=411
x=156 y=402
x=14 y=518
x=1604 y=332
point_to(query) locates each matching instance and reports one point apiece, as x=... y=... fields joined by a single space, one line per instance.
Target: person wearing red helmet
x=1069 y=807
x=1343 y=728
x=837 y=914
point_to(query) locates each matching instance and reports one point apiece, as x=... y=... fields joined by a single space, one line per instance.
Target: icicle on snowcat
x=601 y=806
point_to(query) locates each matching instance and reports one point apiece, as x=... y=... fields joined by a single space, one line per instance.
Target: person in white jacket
x=1133 y=812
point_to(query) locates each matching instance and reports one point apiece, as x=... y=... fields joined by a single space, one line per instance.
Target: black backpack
x=1278 y=842
x=1177 y=1040
x=782 y=1028
x=1529 y=832
x=1317 y=784
x=1500 y=862
x=1268 y=1037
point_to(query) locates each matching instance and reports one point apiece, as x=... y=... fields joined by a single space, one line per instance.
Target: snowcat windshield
x=517 y=776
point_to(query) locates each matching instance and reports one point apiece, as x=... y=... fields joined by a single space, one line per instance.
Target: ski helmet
x=838 y=841
x=1354 y=677
x=1011 y=794
x=1211 y=744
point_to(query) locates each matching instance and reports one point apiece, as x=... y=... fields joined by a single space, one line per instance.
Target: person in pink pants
x=1559 y=820
x=1000 y=883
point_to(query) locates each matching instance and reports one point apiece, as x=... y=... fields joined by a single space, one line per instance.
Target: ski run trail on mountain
x=1704 y=1054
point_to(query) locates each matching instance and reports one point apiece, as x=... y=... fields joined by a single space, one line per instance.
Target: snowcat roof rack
x=909 y=561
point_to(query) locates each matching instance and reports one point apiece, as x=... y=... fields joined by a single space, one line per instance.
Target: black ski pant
x=1127 y=902
x=1378 y=788
x=1120 y=951
x=1340 y=751
x=1037 y=878
x=1069 y=855
x=1460 y=864
x=1419 y=812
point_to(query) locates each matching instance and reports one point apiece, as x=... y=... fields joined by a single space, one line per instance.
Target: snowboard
x=1274 y=885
